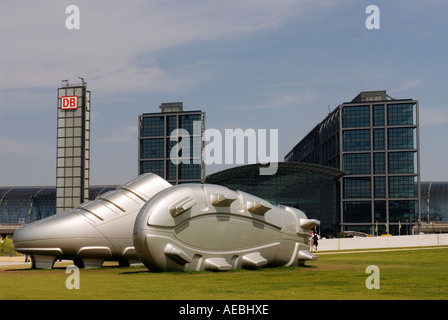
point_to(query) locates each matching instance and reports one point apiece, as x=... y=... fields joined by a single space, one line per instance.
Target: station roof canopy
x=283 y=167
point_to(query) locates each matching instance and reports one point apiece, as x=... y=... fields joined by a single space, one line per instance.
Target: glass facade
x=380 y=153
x=153 y=127
x=356 y=140
x=152 y=148
x=401 y=138
x=353 y=117
x=22 y=205
x=434 y=201
x=359 y=211
x=381 y=161
x=378 y=115
x=311 y=188
x=402 y=210
x=170 y=144
x=321 y=145
x=401 y=187
x=379 y=139
x=380 y=187
x=357 y=188
x=73 y=149
x=401 y=114
x=357 y=163
x=402 y=162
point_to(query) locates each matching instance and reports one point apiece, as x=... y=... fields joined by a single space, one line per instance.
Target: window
x=171 y=125
x=182 y=148
x=169 y=147
x=356 y=117
x=187 y=122
x=152 y=126
x=189 y=171
x=357 y=163
x=195 y=145
x=380 y=187
x=356 y=140
x=357 y=188
x=378 y=139
x=401 y=187
x=357 y=211
x=402 y=211
x=151 y=148
x=379 y=163
x=171 y=170
x=154 y=166
x=400 y=114
x=378 y=115
x=401 y=162
x=401 y=138
x=380 y=211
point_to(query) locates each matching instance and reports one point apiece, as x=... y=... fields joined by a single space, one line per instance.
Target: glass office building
x=171 y=144
x=73 y=146
x=375 y=139
x=312 y=188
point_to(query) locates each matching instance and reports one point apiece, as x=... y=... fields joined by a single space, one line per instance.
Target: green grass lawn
x=408 y=274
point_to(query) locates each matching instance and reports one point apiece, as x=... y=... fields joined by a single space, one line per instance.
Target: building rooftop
x=368 y=96
x=373 y=96
x=171 y=107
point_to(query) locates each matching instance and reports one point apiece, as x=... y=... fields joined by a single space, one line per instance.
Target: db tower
x=73 y=145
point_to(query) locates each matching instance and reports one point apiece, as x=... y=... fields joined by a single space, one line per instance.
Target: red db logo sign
x=69 y=103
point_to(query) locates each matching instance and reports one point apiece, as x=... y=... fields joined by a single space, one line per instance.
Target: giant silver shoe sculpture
x=210 y=227
x=94 y=232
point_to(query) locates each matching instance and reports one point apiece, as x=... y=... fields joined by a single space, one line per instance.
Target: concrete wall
x=384 y=242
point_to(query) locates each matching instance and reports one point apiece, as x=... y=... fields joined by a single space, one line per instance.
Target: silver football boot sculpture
x=96 y=231
x=171 y=228
x=210 y=227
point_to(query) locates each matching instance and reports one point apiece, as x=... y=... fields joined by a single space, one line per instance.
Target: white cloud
x=40 y=51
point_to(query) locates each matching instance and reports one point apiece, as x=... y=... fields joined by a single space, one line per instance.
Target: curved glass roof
x=434 y=200
x=311 y=188
x=19 y=205
x=282 y=167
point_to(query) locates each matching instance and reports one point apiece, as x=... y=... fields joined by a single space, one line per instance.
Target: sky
x=256 y=64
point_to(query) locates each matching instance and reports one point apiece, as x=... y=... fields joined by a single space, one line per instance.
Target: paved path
x=19 y=260
x=13 y=263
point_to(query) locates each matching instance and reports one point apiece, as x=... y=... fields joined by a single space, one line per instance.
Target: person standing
x=315 y=241
x=311 y=240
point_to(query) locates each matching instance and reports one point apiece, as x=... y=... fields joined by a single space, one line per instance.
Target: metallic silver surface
x=210 y=227
x=95 y=231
